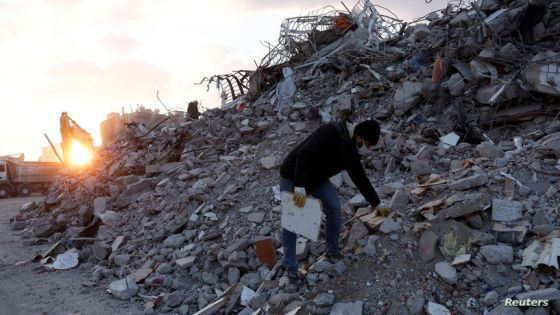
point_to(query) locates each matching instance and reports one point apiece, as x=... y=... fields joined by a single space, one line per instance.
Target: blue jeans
x=331 y=207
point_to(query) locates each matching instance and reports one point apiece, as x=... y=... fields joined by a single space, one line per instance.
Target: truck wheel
x=25 y=190
x=5 y=192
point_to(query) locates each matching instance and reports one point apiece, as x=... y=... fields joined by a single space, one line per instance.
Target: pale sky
x=90 y=58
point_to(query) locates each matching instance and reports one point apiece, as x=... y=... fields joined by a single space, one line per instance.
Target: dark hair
x=369 y=130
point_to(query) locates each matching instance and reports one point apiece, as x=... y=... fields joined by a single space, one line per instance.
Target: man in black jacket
x=307 y=169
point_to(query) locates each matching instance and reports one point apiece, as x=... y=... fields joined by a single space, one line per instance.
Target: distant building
x=48 y=155
x=114 y=125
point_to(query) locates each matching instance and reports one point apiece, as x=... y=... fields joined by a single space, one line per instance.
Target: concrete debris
x=189 y=205
x=123 y=289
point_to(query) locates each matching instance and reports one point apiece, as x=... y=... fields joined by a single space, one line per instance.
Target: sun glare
x=79 y=154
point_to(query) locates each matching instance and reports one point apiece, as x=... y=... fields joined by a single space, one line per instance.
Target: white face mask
x=363 y=150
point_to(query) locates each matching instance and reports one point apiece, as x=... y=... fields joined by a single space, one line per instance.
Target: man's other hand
x=299 y=196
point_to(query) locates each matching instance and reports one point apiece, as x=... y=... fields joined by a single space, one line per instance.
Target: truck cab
x=5 y=190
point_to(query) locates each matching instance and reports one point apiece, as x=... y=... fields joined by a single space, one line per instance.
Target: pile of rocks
x=170 y=218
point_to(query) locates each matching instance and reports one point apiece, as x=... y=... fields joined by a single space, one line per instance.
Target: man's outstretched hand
x=382 y=210
x=299 y=196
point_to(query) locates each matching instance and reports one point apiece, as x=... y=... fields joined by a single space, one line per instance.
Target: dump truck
x=22 y=178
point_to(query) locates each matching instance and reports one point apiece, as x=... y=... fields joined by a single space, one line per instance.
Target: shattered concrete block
x=506 y=210
x=123 y=289
x=469 y=182
x=407 y=97
x=497 y=254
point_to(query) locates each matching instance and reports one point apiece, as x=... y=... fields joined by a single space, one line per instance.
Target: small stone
x=165 y=268
x=174 y=241
x=389 y=226
x=497 y=254
x=121 y=260
x=427 y=246
x=355 y=308
x=123 y=289
x=322 y=266
x=391 y=188
x=110 y=217
x=185 y=262
x=324 y=299
x=210 y=278
x=491 y=298
x=269 y=162
x=357 y=201
x=173 y=299
x=446 y=271
x=183 y=309
x=399 y=200
x=490 y=151
x=234 y=274
x=256 y=217
x=436 y=309
x=415 y=304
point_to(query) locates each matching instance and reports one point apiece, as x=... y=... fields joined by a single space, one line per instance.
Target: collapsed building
x=184 y=216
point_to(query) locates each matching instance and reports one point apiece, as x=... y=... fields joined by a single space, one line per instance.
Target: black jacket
x=325 y=153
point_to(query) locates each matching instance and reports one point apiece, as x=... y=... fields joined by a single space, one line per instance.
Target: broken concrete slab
x=472 y=203
x=469 y=182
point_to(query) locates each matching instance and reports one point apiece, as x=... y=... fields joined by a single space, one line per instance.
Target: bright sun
x=79 y=154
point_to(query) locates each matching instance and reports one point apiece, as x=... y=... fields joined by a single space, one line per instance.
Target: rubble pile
x=185 y=217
